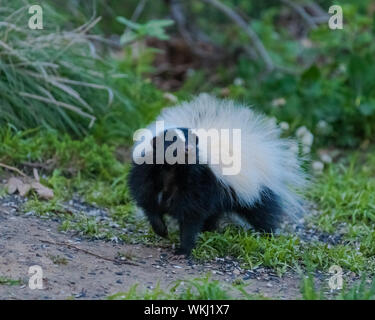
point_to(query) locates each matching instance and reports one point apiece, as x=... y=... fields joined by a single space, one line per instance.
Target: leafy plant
x=153 y=28
x=50 y=79
x=9 y=282
x=203 y=288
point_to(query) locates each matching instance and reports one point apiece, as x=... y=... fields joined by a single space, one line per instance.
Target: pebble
x=247 y=277
x=236 y=272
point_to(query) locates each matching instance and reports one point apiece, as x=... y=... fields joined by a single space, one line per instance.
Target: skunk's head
x=175 y=146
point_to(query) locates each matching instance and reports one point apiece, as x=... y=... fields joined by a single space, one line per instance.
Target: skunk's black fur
x=192 y=194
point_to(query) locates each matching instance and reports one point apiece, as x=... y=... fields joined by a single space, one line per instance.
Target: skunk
x=198 y=186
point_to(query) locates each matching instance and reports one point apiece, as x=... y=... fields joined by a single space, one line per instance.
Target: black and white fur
x=198 y=195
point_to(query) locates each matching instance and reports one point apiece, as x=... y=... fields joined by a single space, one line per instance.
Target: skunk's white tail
x=266 y=159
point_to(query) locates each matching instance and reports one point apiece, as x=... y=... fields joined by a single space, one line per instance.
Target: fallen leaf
x=23 y=188
x=13 y=184
x=42 y=191
x=36 y=175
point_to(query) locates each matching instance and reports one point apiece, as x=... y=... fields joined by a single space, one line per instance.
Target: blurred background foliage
x=309 y=75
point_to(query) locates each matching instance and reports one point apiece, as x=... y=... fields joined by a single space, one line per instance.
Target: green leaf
x=127 y=22
x=153 y=28
x=128 y=37
x=160 y=23
x=311 y=74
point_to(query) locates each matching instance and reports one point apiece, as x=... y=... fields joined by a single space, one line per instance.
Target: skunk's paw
x=162 y=232
x=183 y=252
x=159 y=227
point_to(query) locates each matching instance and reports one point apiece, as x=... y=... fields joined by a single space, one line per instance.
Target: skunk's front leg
x=157 y=223
x=189 y=230
x=211 y=223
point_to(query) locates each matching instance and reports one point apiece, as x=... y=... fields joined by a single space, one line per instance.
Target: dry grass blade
x=89 y=252
x=60 y=104
x=72 y=92
x=60 y=81
x=42 y=69
x=3 y=165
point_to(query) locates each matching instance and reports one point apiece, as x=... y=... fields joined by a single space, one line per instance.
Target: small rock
x=170 y=97
x=318 y=166
x=326 y=158
x=236 y=272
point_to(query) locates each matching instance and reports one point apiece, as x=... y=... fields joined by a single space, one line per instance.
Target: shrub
x=49 y=77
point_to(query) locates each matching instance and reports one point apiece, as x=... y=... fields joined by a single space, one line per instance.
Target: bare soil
x=79 y=268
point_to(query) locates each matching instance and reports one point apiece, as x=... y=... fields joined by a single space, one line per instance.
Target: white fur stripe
x=266 y=159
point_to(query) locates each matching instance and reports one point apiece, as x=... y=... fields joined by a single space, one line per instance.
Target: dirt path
x=70 y=273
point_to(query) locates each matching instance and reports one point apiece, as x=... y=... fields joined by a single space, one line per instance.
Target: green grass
x=3 y=191
x=58 y=260
x=5 y=281
x=346 y=198
x=195 y=289
x=346 y=194
x=281 y=253
x=69 y=156
x=343 y=195
x=360 y=290
x=53 y=89
x=205 y=288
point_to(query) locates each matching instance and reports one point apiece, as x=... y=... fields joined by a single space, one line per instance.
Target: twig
x=137 y=13
x=189 y=33
x=36 y=175
x=48 y=165
x=321 y=19
x=178 y=15
x=261 y=50
x=88 y=252
x=318 y=11
x=12 y=169
x=138 y=10
x=301 y=11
